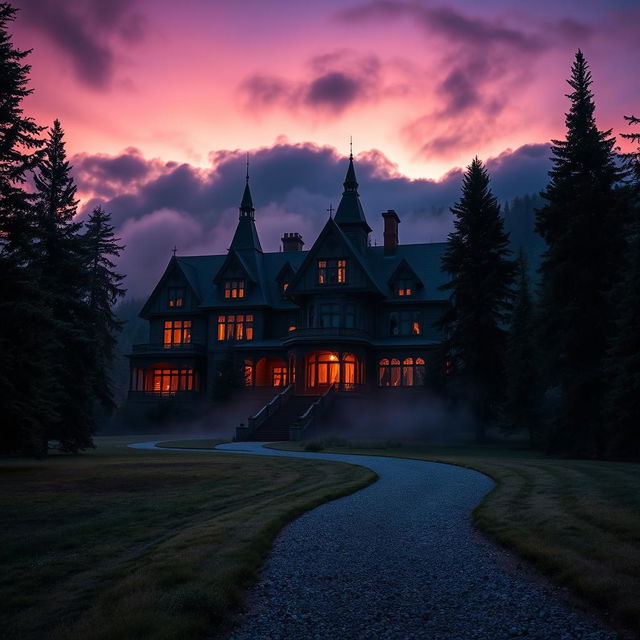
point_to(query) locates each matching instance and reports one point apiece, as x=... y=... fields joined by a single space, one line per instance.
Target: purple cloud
x=86 y=31
x=292 y=185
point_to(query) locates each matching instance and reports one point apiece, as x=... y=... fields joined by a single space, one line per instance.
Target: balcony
x=185 y=348
x=341 y=334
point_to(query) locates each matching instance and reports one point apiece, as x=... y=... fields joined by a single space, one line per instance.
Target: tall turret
x=246 y=235
x=350 y=215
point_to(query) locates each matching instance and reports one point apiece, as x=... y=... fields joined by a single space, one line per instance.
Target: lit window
x=404 y=288
x=235 y=327
x=332 y=271
x=176 y=297
x=292 y=327
x=170 y=381
x=248 y=373
x=405 y=323
x=322 y=271
x=342 y=271
x=285 y=286
x=234 y=289
x=410 y=373
x=176 y=332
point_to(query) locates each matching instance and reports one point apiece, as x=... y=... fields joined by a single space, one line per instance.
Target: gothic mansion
x=342 y=314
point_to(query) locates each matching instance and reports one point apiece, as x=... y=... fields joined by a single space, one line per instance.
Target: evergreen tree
x=27 y=382
x=622 y=406
x=522 y=401
x=581 y=223
x=104 y=290
x=60 y=254
x=481 y=277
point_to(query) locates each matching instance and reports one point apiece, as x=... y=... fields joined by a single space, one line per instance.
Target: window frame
x=235 y=327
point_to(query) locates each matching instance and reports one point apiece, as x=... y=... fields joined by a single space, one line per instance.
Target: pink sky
x=161 y=100
x=430 y=84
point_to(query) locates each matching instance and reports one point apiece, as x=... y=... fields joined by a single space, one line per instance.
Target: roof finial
x=247 y=177
x=174 y=250
x=350 y=147
x=330 y=210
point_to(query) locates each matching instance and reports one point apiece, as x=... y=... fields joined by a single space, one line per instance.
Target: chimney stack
x=292 y=242
x=391 y=222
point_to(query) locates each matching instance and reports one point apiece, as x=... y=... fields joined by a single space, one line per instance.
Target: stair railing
x=313 y=414
x=257 y=420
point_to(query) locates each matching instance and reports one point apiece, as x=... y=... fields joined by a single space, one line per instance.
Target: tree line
x=562 y=359
x=59 y=283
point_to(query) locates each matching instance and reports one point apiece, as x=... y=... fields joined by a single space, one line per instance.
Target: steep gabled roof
x=403 y=268
x=174 y=266
x=332 y=227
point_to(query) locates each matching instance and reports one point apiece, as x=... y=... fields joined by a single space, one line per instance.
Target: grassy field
x=121 y=543
x=576 y=520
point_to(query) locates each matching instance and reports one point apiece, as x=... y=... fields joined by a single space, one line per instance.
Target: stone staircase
x=276 y=426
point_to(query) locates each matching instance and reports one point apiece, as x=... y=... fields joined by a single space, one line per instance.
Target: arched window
x=325 y=368
x=411 y=372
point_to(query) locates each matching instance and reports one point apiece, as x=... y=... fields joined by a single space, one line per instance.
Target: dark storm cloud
x=484 y=63
x=292 y=186
x=334 y=82
x=87 y=32
x=334 y=89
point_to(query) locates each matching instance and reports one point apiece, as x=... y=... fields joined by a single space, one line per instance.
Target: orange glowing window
x=176 y=332
x=234 y=289
x=332 y=271
x=235 y=327
x=404 y=288
x=170 y=381
x=176 y=297
x=322 y=271
x=292 y=327
x=285 y=286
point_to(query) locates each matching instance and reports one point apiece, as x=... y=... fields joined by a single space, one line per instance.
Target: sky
x=161 y=101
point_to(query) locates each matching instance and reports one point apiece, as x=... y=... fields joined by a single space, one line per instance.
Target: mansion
x=342 y=314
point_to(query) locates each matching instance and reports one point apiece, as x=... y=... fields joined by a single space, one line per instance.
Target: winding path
x=399 y=559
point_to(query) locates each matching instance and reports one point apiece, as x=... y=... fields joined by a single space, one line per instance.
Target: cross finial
x=351 y=147
x=247 y=177
x=174 y=251
x=330 y=210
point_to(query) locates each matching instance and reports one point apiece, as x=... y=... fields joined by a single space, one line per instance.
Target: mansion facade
x=342 y=314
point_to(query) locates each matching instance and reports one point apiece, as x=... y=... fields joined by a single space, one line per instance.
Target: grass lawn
x=576 y=520
x=121 y=543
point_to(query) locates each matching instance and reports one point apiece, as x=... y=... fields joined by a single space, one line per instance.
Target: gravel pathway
x=399 y=560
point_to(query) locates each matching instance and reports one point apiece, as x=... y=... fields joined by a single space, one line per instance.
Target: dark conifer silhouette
x=480 y=285
x=103 y=292
x=60 y=254
x=521 y=405
x=27 y=380
x=581 y=224
x=622 y=407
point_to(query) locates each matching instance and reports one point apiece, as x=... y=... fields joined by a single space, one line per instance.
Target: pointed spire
x=350 y=213
x=246 y=206
x=246 y=235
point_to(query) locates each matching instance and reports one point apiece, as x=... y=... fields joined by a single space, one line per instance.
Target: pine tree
x=27 y=383
x=481 y=277
x=622 y=406
x=104 y=290
x=60 y=254
x=581 y=223
x=521 y=401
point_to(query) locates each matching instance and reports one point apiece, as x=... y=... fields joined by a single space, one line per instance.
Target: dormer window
x=332 y=271
x=404 y=288
x=234 y=289
x=176 y=297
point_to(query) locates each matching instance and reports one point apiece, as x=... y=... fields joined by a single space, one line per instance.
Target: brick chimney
x=292 y=242
x=391 y=222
